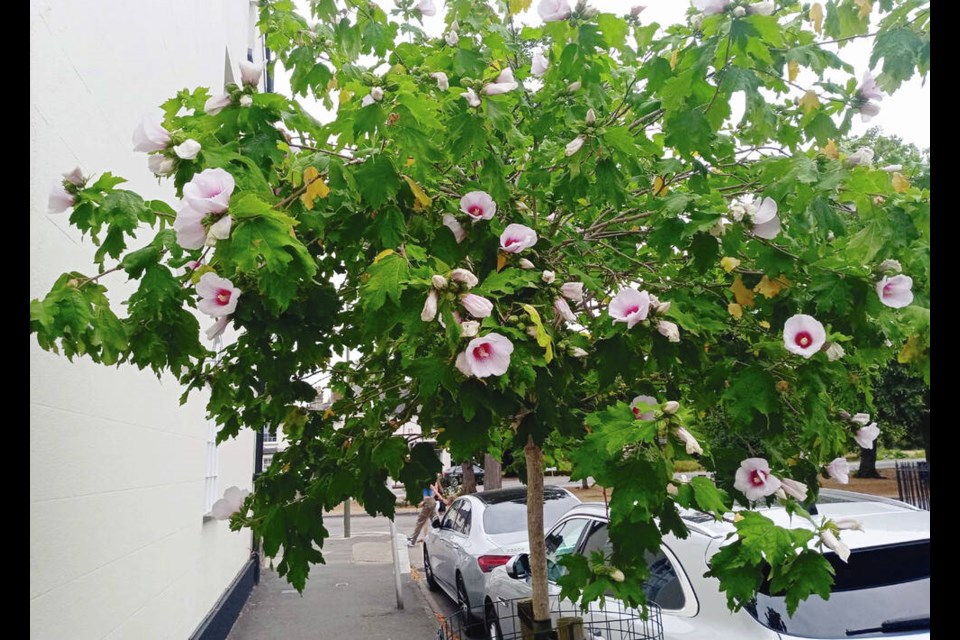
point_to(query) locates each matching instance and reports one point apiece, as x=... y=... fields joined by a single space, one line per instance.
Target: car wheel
x=470 y=624
x=492 y=622
x=428 y=571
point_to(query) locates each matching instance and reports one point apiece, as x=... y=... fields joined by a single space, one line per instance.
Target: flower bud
x=469 y=328
x=739 y=12
x=574 y=145
x=429 y=307
x=616 y=575
x=591 y=116
x=834 y=351
x=187 y=150
x=671 y=407
x=246 y=101
x=439 y=282
x=889 y=266
x=548 y=276
x=573 y=87
x=577 y=352
x=464 y=276
x=526 y=264
x=669 y=330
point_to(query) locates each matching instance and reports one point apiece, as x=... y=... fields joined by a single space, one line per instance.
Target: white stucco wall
x=118 y=546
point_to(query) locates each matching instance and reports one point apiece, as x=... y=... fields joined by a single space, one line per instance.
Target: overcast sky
x=906 y=113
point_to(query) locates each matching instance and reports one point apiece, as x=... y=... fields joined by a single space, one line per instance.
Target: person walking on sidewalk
x=427 y=507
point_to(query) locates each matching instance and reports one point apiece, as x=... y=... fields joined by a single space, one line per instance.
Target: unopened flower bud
x=889 y=266
x=739 y=12
x=526 y=264
x=671 y=407
x=548 y=276
x=591 y=116
x=439 y=282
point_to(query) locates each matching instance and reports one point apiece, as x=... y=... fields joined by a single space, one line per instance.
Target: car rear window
x=507 y=517
x=879 y=589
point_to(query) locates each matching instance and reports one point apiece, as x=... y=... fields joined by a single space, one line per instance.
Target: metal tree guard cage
x=615 y=621
x=913 y=483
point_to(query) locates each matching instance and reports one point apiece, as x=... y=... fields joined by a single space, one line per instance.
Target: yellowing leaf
x=809 y=102
x=816 y=16
x=383 y=254
x=409 y=162
x=900 y=182
x=673 y=59
x=543 y=338
x=793 y=68
x=866 y=6
x=764 y=324
x=768 y=288
x=830 y=150
x=501 y=260
x=316 y=187
x=345 y=96
x=911 y=351
x=660 y=187
x=327 y=413
x=743 y=295
x=783 y=385
x=737 y=517
x=516 y=6
x=729 y=264
x=735 y=310
x=421 y=200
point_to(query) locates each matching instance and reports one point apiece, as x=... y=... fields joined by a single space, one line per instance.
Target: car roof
x=884 y=521
x=517 y=494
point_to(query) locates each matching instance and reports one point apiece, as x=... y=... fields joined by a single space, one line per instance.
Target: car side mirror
x=518 y=566
x=435 y=523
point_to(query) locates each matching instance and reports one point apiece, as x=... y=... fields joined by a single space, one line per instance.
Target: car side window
x=560 y=541
x=453 y=515
x=464 y=521
x=662 y=585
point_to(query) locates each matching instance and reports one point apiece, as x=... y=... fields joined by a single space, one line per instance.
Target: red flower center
x=223 y=296
x=475 y=210
x=887 y=289
x=757 y=478
x=511 y=241
x=636 y=411
x=803 y=339
x=631 y=310
x=482 y=352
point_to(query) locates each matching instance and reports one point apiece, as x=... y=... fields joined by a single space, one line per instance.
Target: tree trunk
x=535 y=533
x=585 y=484
x=868 y=463
x=491 y=473
x=469 y=480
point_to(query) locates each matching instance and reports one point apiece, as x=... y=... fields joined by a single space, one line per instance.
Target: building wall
x=119 y=547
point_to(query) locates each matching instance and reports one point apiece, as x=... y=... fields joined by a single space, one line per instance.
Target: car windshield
x=507 y=517
x=879 y=591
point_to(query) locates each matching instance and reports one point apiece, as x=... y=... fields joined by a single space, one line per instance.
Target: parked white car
x=882 y=591
x=481 y=531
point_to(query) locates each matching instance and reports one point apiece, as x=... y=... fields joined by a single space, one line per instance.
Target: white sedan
x=883 y=589
x=481 y=531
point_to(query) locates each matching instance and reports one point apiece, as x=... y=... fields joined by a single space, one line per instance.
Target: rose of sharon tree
x=552 y=238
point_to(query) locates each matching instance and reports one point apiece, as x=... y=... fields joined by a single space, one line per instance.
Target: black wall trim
x=220 y=620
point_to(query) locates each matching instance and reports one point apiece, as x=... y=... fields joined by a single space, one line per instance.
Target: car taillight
x=487 y=563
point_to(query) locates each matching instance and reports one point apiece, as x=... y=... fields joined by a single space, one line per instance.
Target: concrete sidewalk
x=352 y=596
